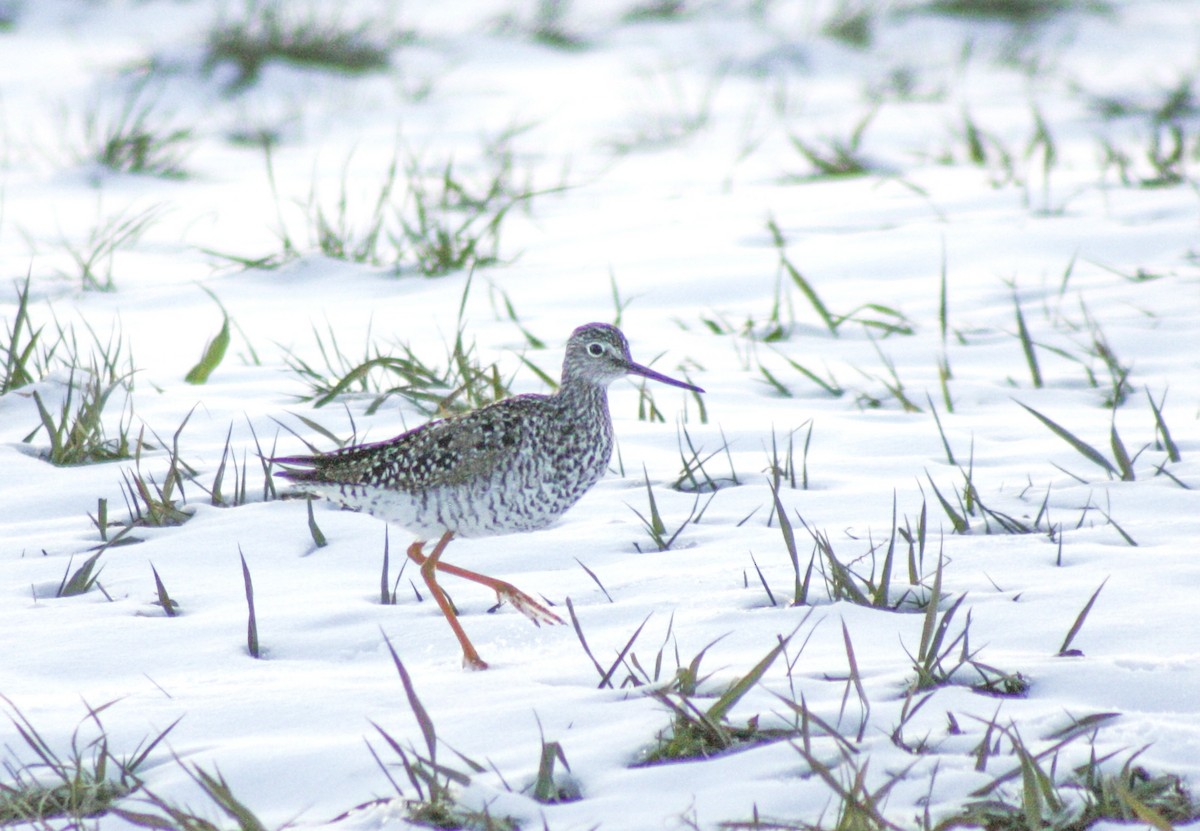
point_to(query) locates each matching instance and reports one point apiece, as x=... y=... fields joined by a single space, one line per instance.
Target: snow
x=672 y=219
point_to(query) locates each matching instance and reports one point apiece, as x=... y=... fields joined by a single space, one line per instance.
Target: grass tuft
x=93 y=258
x=76 y=428
x=702 y=733
x=435 y=803
x=653 y=522
x=84 y=782
x=23 y=362
x=137 y=138
x=268 y=32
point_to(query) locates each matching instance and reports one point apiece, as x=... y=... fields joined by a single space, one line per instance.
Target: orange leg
x=429 y=566
x=520 y=601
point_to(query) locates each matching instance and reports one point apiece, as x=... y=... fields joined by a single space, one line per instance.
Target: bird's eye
x=595 y=349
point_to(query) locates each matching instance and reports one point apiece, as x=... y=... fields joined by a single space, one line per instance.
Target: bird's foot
x=526 y=605
x=474 y=663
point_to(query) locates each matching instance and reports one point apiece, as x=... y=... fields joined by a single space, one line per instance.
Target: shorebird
x=515 y=465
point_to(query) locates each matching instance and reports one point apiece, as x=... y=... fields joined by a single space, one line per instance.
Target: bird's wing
x=440 y=453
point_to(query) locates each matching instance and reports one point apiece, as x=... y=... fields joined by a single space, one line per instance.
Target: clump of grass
x=549 y=26
x=969 y=503
x=672 y=113
x=653 y=522
x=547 y=788
x=268 y=31
x=1088 y=796
x=83 y=782
x=93 y=258
x=655 y=10
x=1120 y=468
x=851 y=23
x=435 y=803
x=1013 y=11
x=137 y=138
x=462 y=383
x=182 y=818
x=76 y=428
x=873 y=317
x=154 y=505
x=82 y=580
x=25 y=357
x=697 y=732
x=875 y=589
x=451 y=226
x=432 y=220
x=694 y=477
x=836 y=157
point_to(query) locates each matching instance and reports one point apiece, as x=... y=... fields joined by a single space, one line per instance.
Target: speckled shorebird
x=515 y=465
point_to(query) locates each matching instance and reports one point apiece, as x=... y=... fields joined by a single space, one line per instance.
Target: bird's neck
x=584 y=395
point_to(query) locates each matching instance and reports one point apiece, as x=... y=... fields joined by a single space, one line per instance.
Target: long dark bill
x=647 y=372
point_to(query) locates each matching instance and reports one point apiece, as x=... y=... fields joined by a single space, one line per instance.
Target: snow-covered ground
x=1008 y=162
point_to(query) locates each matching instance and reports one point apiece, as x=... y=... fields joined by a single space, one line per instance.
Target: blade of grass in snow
x=1089 y=452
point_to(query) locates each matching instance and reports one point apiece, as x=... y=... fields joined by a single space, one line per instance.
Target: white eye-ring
x=595 y=349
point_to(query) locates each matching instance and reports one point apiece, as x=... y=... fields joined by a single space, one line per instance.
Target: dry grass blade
x=595 y=579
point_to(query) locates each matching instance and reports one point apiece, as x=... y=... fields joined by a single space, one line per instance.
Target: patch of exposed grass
x=852 y=23
x=76 y=427
x=694 y=476
x=272 y=30
x=835 y=157
x=158 y=505
x=26 y=356
x=1044 y=799
x=434 y=782
x=84 y=781
x=654 y=524
x=419 y=218
x=672 y=113
x=93 y=258
x=135 y=137
x=1013 y=11
x=700 y=732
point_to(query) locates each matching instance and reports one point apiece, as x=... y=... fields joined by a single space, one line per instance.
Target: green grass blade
x=1161 y=425
x=1079 y=619
x=1089 y=452
x=252 y=619
x=1027 y=345
x=1124 y=463
x=214 y=353
x=814 y=300
x=744 y=684
x=419 y=711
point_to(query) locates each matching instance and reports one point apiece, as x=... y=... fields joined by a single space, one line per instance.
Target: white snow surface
x=676 y=221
